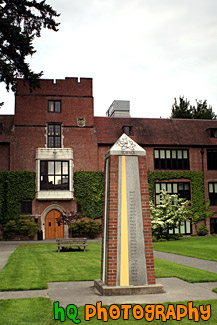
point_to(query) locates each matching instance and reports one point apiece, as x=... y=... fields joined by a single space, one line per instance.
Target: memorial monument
x=127 y=253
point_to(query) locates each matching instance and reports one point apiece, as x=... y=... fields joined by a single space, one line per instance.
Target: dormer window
x=213 y=133
x=128 y=130
x=54 y=106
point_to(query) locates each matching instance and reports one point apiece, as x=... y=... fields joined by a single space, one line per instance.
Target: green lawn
x=40 y=311
x=165 y=269
x=199 y=247
x=31 y=266
x=26 y=311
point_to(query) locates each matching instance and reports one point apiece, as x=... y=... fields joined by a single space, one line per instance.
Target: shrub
x=202 y=231
x=167 y=237
x=175 y=237
x=154 y=238
x=85 y=228
x=20 y=228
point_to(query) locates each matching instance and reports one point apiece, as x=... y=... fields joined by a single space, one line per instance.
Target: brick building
x=54 y=132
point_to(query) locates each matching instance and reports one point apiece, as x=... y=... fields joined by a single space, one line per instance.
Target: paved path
x=189 y=261
x=6 y=249
x=80 y=293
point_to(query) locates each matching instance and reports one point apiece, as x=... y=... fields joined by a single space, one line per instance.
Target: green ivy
x=3 y=191
x=197 y=188
x=89 y=189
x=15 y=187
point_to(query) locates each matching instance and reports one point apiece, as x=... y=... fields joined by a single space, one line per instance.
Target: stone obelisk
x=127 y=253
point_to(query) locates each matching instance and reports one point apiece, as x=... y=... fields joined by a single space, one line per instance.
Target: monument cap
x=125 y=146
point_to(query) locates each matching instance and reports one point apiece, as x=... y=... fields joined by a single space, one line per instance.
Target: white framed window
x=54 y=174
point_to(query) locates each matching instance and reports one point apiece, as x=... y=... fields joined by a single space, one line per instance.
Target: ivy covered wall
x=3 y=178
x=197 y=187
x=14 y=188
x=88 y=190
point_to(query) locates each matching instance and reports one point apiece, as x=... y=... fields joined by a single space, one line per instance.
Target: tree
x=168 y=214
x=181 y=110
x=201 y=111
x=185 y=110
x=20 y=22
x=68 y=218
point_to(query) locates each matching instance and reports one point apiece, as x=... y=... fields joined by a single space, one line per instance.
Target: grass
x=165 y=269
x=26 y=311
x=31 y=266
x=199 y=247
x=40 y=311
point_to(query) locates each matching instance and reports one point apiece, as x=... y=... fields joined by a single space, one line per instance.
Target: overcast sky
x=144 y=51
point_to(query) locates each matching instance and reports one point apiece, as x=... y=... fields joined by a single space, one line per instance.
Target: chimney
x=119 y=108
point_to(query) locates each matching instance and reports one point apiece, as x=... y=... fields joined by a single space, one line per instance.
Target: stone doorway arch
x=48 y=211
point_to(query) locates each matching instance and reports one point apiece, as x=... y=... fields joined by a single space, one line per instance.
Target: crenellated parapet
x=65 y=87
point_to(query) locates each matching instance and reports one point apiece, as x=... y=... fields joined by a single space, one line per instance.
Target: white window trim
x=54 y=154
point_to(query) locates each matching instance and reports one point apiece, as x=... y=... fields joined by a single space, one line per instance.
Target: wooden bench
x=71 y=242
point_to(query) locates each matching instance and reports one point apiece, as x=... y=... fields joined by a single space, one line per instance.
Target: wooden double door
x=53 y=229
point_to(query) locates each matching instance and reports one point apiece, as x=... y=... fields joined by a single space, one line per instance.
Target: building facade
x=54 y=133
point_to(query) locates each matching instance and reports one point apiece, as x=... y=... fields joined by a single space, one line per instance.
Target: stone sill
x=54 y=195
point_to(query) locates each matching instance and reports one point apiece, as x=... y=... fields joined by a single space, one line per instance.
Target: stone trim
x=54 y=154
x=46 y=211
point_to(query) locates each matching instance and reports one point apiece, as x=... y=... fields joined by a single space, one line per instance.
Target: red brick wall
x=195 y=159
x=4 y=156
x=102 y=150
x=81 y=140
x=67 y=86
x=84 y=144
x=76 y=101
x=32 y=117
x=113 y=222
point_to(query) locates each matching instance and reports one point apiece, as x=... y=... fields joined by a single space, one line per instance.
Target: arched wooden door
x=53 y=230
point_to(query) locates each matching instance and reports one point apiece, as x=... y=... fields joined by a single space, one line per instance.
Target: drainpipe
x=202 y=159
